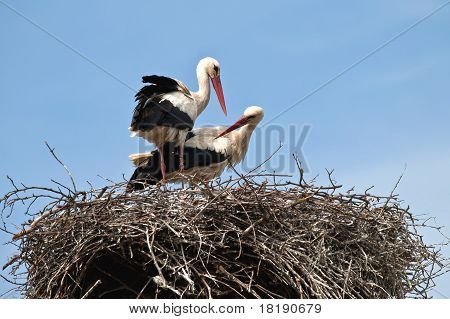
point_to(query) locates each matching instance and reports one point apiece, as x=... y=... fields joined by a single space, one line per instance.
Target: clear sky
x=390 y=110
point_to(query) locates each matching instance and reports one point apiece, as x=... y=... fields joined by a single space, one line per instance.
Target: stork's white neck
x=241 y=139
x=203 y=93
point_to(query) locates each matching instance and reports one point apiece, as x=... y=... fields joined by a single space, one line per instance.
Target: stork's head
x=252 y=116
x=212 y=68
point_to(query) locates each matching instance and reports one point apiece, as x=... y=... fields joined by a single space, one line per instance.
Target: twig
x=52 y=151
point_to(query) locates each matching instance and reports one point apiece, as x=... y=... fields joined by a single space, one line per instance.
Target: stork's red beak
x=218 y=88
x=239 y=123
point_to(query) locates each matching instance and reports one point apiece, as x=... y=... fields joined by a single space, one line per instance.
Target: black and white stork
x=166 y=110
x=207 y=152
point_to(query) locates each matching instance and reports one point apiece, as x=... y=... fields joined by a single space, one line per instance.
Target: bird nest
x=253 y=236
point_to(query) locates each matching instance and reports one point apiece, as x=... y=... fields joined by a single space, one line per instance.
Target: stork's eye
x=251 y=117
x=216 y=68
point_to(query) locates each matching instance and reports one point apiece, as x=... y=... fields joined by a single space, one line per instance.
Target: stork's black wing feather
x=196 y=157
x=161 y=81
x=157 y=112
x=151 y=111
x=149 y=173
x=189 y=135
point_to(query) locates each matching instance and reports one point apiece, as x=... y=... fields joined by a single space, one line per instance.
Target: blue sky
x=389 y=111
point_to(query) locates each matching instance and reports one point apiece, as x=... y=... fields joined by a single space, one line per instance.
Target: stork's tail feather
x=147 y=172
x=139 y=158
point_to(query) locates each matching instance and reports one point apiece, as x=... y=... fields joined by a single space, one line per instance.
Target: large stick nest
x=249 y=237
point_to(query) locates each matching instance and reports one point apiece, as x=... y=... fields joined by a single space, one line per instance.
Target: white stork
x=166 y=110
x=207 y=152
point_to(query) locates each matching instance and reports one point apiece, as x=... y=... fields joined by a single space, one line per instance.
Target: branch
x=52 y=151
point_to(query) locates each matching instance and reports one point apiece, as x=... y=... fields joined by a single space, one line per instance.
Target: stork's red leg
x=163 y=165
x=182 y=157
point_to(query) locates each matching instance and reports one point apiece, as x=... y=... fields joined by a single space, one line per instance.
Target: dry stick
x=15 y=187
x=301 y=179
x=98 y=282
x=52 y=151
x=268 y=159
x=9 y=281
x=204 y=208
x=207 y=287
x=117 y=280
x=143 y=288
x=155 y=261
x=12 y=260
x=36 y=222
x=303 y=199
x=102 y=192
x=252 y=226
x=346 y=277
x=265 y=213
x=391 y=195
x=7 y=292
x=239 y=282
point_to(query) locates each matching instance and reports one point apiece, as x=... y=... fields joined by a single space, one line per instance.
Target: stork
x=208 y=151
x=166 y=110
